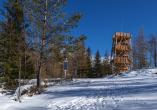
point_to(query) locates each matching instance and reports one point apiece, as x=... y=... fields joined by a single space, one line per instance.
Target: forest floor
x=136 y=90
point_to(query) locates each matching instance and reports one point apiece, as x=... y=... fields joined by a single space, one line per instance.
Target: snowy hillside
x=130 y=91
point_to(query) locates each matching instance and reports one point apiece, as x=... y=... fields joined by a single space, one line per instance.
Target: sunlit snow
x=136 y=90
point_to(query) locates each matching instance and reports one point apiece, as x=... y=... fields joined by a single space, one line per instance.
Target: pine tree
x=106 y=66
x=50 y=25
x=13 y=42
x=97 y=65
x=10 y=38
x=81 y=57
x=89 y=64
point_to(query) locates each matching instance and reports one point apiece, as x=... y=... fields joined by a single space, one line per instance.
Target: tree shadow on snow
x=94 y=92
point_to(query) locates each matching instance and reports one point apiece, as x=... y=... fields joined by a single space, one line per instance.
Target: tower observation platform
x=121 y=52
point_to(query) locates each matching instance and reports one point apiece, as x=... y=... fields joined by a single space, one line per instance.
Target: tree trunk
x=19 y=91
x=38 y=73
x=43 y=43
x=155 y=55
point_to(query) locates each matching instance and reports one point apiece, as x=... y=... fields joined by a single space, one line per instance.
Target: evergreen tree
x=11 y=36
x=89 y=63
x=12 y=40
x=97 y=65
x=81 y=57
x=106 y=66
x=50 y=26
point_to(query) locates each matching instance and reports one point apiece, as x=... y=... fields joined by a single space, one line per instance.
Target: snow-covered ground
x=129 y=91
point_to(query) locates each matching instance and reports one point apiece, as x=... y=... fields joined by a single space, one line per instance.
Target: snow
x=22 y=89
x=135 y=90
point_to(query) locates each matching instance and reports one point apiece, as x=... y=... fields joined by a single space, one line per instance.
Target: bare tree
x=152 y=45
x=140 y=51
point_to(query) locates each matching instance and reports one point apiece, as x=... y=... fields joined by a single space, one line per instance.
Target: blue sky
x=102 y=18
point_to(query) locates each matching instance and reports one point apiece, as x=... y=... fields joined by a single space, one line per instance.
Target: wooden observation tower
x=121 y=52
